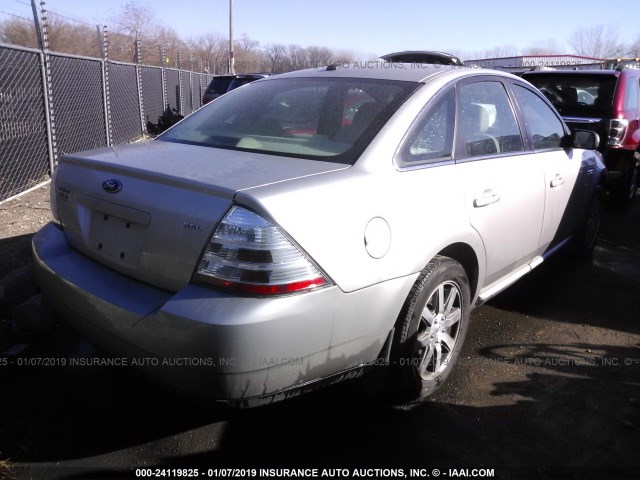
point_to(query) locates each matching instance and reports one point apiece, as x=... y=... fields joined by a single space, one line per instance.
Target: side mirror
x=585 y=139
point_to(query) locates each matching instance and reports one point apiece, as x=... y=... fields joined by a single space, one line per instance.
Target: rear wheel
x=633 y=181
x=584 y=241
x=431 y=329
x=625 y=191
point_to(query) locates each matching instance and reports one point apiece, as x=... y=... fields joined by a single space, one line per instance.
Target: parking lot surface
x=548 y=386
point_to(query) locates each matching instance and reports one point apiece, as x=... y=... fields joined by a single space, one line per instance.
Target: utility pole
x=232 y=70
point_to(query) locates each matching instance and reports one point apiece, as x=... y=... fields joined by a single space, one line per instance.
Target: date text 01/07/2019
x=312 y=473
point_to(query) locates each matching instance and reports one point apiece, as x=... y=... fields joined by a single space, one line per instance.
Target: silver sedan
x=317 y=225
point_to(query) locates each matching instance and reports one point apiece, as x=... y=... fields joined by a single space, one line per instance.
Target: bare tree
x=344 y=56
x=172 y=43
x=212 y=48
x=318 y=56
x=597 y=41
x=276 y=56
x=248 y=56
x=64 y=36
x=633 y=50
x=135 y=20
x=247 y=44
x=297 y=57
x=16 y=31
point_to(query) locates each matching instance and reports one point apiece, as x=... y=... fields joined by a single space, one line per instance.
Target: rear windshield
x=219 y=85
x=240 y=81
x=330 y=119
x=577 y=95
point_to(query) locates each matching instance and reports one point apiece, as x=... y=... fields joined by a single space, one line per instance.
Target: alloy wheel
x=438 y=329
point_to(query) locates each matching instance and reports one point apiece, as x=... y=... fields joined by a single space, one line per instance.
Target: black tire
x=625 y=189
x=584 y=241
x=421 y=356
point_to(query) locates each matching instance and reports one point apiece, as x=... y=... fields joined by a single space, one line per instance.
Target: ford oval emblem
x=112 y=186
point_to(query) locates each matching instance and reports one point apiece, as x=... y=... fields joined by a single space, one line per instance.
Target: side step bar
x=518 y=274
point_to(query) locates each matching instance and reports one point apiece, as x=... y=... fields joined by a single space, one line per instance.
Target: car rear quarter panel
x=327 y=214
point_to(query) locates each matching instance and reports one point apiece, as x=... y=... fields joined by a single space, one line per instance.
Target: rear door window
x=486 y=122
x=544 y=126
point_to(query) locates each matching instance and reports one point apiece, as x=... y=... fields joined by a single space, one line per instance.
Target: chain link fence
x=173 y=89
x=76 y=103
x=152 y=93
x=24 y=152
x=80 y=119
x=126 y=123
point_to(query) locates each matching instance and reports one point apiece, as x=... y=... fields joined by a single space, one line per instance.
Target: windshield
x=330 y=119
x=577 y=95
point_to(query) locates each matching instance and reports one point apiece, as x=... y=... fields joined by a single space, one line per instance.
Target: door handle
x=487 y=198
x=557 y=181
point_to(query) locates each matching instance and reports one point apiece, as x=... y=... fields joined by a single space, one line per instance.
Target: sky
x=374 y=26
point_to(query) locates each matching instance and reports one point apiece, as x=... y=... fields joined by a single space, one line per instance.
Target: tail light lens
x=251 y=255
x=617 y=131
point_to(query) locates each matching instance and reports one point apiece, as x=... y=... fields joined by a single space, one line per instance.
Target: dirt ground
x=548 y=386
x=20 y=218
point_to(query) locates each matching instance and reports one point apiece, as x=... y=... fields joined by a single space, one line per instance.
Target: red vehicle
x=607 y=102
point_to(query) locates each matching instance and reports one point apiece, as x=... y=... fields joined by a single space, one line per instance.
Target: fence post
x=99 y=36
x=139 y=81
x=36 y=24
x=164 y=79
x=180 y=92
x=201 y=90
x=191 y=82
x=105 y=86
x=138 y=53
x=48 y=91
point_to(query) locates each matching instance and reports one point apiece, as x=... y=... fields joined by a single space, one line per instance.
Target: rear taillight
x=251 y=255
x=617 y=131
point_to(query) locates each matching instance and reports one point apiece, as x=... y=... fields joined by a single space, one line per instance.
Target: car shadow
x=561 y=405
x=51 y=411
x=548 y=423
x=573 y=291
x=16 y=252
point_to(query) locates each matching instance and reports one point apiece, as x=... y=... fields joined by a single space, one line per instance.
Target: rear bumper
x=223 y=346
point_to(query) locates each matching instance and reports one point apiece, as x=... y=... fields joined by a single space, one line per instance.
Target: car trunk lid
x=148 y=209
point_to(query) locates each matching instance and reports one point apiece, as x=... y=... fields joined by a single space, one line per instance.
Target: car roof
x=382 y=70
